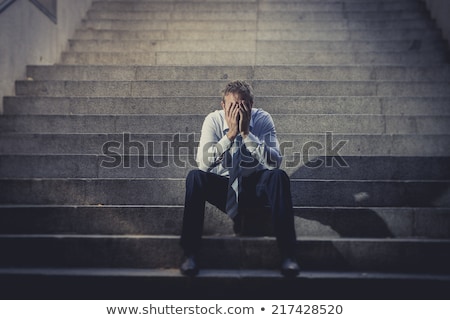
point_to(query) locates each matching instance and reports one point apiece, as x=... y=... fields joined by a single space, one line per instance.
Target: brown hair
x=239 y=87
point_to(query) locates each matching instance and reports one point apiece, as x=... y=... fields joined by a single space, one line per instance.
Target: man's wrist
x=244 y=134
x=231 y=136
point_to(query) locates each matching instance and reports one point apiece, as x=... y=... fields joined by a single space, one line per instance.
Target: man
x=239 y=160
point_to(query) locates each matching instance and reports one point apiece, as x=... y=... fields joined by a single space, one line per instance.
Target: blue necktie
x=235 y=181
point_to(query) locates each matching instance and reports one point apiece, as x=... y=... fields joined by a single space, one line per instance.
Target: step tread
x=171 y=123
x=217 y=273
x=120 y=284
x=212 y=238
x=305 y=72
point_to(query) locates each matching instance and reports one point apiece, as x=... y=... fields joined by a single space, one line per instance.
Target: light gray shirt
x=261 y=143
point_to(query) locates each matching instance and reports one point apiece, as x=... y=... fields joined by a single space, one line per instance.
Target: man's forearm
x=266 y=155
x=210 y=154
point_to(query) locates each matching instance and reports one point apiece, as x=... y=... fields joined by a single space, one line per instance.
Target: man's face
x=231 y=99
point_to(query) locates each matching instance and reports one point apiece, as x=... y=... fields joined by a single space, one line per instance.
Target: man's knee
x=279 y=175
x=194 y=177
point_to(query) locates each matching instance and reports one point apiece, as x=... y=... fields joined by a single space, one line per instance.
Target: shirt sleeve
x=212 y=147
x=265 y=147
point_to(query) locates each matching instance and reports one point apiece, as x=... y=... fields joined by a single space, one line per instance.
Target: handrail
x=5 y=4
x=49 y=10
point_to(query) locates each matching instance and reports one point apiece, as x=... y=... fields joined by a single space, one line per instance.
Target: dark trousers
x=267 y=187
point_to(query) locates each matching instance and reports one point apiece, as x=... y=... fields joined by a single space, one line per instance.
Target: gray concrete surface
x=29 y=37
x=440 y=11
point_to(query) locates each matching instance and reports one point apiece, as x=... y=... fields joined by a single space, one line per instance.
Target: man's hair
x=239 y=87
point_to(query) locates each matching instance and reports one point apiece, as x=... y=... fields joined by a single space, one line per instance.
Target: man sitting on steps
x=239 y=160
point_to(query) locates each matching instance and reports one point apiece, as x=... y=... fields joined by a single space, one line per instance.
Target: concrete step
x=182 y=6
x=296 y=35
x=255 y=1
x=246 y=58
x=103 y=283
x=79 y=251
x=268 y=1
x=141 y=46
x=136 y=24
x=164 y=166
x=249 y=15
x=212 y=88
x=228 y=15
x=377 y=46
x=294 y=145
x=157 y=58
x=432 y=223
x=292 y=123
x=136 y=46
x=360 y=35
x=295 y=6
x=340 y=193
x=350 y=15
x=70 y=72
x=318 y=72
x=342 y=58
x=67 y=72
x=203 y=105
x=347 y=23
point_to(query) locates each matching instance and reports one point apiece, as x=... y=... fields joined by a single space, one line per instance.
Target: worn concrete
x=29 y=37
x=372 y=194
x=440 y=10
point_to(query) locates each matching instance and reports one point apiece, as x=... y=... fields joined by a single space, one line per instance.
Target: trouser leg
x=275 y=186
x=200 y=187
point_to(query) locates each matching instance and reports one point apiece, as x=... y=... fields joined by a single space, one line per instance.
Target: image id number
x=307 y=309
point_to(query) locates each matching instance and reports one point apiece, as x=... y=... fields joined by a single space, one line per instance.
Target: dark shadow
x=365 y=183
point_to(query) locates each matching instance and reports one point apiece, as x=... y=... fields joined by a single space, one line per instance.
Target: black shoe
x=290 y=268
x=189 y=266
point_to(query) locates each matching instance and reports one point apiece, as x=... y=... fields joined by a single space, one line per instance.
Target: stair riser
x=249 y=6
x=92 y=166
x=252 y=25
x=171 y=191
x=255 y=1
x=252 y=15
x=247 y=58
x=179 y=6
x=204 y=105
x=360 y=35
x=339 y=124
x=212 y=88
x=351 y=46
x=80 y=46
x=234 y=285
x=347 y=6
x=294 y=146
x=309 y=222
x=225 y=253
x=348 y=58
x=344 y=73
x=274 y=46
x=396 y=34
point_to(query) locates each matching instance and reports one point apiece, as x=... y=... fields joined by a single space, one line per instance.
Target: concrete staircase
x=94 y=151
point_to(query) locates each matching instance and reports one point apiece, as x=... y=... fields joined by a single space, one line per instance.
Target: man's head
x=237 y=91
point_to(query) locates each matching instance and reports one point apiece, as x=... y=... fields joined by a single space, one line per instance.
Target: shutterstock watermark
x=179 y=149
x=314 y=154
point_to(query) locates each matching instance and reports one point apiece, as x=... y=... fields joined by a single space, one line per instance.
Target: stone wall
x=440 y=11
x=29 y=37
